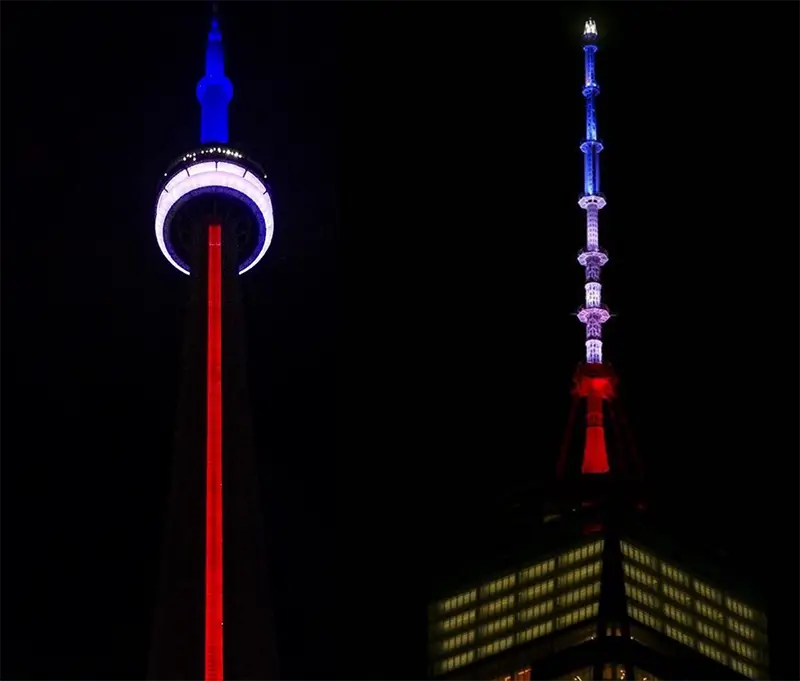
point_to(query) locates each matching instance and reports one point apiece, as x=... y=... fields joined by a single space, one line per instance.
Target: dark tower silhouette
x=214 y=222
x=592 y=587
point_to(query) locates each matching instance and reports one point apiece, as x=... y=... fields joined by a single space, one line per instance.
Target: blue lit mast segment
x=593 y=314
x=214 y=91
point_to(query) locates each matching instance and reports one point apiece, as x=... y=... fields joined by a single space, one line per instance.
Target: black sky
x=410 y=338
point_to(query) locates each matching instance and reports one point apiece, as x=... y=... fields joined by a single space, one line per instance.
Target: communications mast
x=594 y=587
x=594 y=380
x=213 y=222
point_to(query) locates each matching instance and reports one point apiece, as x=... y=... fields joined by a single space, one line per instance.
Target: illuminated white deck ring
x=209 y=175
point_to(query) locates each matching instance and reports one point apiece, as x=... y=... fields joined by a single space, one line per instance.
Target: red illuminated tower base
x=595 y=383
x=213 y=615
x=215 y=488
x=597 y=443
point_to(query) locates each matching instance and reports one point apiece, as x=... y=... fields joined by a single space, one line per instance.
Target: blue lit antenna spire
x=593 y=314
x=215 y=90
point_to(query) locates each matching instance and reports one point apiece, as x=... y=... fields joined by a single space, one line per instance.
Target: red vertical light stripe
x=595 y=456
x=213 y=643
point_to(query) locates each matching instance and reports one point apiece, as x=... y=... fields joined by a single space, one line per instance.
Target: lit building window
x=577 y=615
x=537 y=592
x=743 y=668
x=457 y=621
x=676 y=595
x=537 y=571
x=458 y=601
x=498 y=606
x=678 y=615
x=675 y=575
x=644 y=617
x=706 y=632
x=537 y=611
x=583 y=593
x=712 y=652
x=741 y=648
x=498 y=625
x=711 y=632
x=580 y=574
x=744 y=611
x=741 y=629
x=459 y=641
x=740 y=609
x=707 y=592
x=630 y=551
x=580 y=554
x=496 y=646
x=499 y=585
x=535 y=632
x=708 y=612
x=643 y=597
x=678 y=635
x=455 y=662
x=639 y=575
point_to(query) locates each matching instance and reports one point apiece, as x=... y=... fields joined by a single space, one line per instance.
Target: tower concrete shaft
x=214 y=446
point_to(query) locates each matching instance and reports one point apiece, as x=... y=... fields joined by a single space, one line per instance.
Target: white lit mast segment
x=593 y=313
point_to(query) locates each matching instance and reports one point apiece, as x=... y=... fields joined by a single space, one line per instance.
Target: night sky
x=411 y=335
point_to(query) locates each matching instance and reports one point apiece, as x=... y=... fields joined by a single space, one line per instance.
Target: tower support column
x=595 y=383
x=214 y=581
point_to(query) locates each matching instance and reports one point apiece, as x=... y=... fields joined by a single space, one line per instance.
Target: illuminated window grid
x=714 y=641
x=580 y=554
x=643 y=577
x=680 y=578
x=535 y=612
x=506 y=604
x=531 y=621
x=711 y=651
x=531 y=573
x=703 y=608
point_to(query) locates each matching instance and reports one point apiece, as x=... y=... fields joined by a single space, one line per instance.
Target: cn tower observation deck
x=214 y=183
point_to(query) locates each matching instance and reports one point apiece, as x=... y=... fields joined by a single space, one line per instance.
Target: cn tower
x=214 y=222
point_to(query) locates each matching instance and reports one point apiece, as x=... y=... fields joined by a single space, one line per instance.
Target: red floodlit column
x=213 y=645
x=595 y=456
x=595 y=383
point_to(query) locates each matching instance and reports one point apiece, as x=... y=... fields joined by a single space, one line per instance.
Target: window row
x=580 y=554
x=498 y=606
x=686 y=599
x=674 y=613
x=498 y=645
x=738 y=647
x=459 y=641
x=499 y=585
x=580 y=574
x=458 y=621
x=538 y=591
x=683 y=579
x=459 y=601
x=528 y=574
x=533 y=613
x=455 y=662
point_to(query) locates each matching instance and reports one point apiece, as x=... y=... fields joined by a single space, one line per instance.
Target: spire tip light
x=590 y=28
